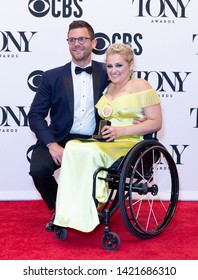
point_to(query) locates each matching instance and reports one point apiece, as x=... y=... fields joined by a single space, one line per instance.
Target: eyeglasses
x=81 y=40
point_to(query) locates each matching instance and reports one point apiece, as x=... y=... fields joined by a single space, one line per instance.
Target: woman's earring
x=130 y=76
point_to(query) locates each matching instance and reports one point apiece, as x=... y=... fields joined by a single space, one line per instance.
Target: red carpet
x=23 y=237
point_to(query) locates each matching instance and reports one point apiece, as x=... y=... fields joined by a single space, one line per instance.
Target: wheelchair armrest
x=150 y=136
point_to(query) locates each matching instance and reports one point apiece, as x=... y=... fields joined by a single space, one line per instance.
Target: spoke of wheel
x=149 y=214
x=139 y=206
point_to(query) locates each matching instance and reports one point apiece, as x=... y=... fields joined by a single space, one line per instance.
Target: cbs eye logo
x=34 y=80
x=103 y=43
x=39 y=8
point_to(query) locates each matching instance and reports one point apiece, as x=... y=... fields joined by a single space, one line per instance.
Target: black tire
x=148 y=189
x=110 y=241
x=60 y=233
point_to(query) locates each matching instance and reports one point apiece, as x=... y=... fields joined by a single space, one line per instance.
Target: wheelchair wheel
x=110 y=241
x=60 y=233
x=148 y=189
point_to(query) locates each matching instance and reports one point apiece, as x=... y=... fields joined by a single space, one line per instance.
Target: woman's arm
x=152 y=123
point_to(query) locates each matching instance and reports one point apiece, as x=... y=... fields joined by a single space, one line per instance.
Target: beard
x=80 y=54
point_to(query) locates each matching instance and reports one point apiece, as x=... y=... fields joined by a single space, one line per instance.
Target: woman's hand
x=111 y=132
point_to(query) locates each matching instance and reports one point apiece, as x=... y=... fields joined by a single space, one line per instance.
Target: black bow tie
x=79 y=70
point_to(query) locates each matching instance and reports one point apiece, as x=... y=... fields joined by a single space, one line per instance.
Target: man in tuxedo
x=63 y=109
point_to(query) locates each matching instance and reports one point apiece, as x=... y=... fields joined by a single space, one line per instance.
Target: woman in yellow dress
x=124 y=100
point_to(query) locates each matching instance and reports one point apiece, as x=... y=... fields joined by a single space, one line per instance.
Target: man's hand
x=56 y=151
x=138 y=120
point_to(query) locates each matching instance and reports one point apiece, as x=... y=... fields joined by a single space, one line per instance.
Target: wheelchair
x=144 y=184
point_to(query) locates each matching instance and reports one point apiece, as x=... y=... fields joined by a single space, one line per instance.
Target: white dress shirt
x=84 y=110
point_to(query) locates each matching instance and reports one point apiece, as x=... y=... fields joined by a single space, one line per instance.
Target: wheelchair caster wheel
x=60 y=233
x=110 y=241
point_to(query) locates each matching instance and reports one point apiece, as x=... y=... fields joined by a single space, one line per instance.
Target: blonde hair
x=122 y=49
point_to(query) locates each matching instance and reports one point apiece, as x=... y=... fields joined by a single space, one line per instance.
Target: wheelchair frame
x=144 y=184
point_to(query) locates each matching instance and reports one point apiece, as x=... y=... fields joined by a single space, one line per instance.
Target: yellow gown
x=75 y=207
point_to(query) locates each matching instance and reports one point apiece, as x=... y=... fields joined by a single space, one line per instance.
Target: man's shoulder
x=58 y=70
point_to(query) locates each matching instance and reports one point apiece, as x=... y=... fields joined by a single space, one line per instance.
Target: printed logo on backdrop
x=34 y=79
x=12 y=118
x=104 y=41
x=195 y=43
x=14 y=43
x=177 y=153
x=165 y=83
x=161 y=11
x=56 y=8
x=194 y=115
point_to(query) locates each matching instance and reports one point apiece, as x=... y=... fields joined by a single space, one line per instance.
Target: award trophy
x=106 y=112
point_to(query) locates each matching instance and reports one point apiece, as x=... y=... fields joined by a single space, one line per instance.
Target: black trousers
x=42 y=168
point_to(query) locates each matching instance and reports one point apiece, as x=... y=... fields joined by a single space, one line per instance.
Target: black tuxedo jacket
x=55 y=97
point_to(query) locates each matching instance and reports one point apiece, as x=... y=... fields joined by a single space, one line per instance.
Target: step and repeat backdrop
x=164 y=36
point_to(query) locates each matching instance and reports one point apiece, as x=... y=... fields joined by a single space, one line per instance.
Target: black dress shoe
x=50 y=225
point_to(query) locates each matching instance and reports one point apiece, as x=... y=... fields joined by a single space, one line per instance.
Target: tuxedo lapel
x=96 y=85
x=69 y=90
